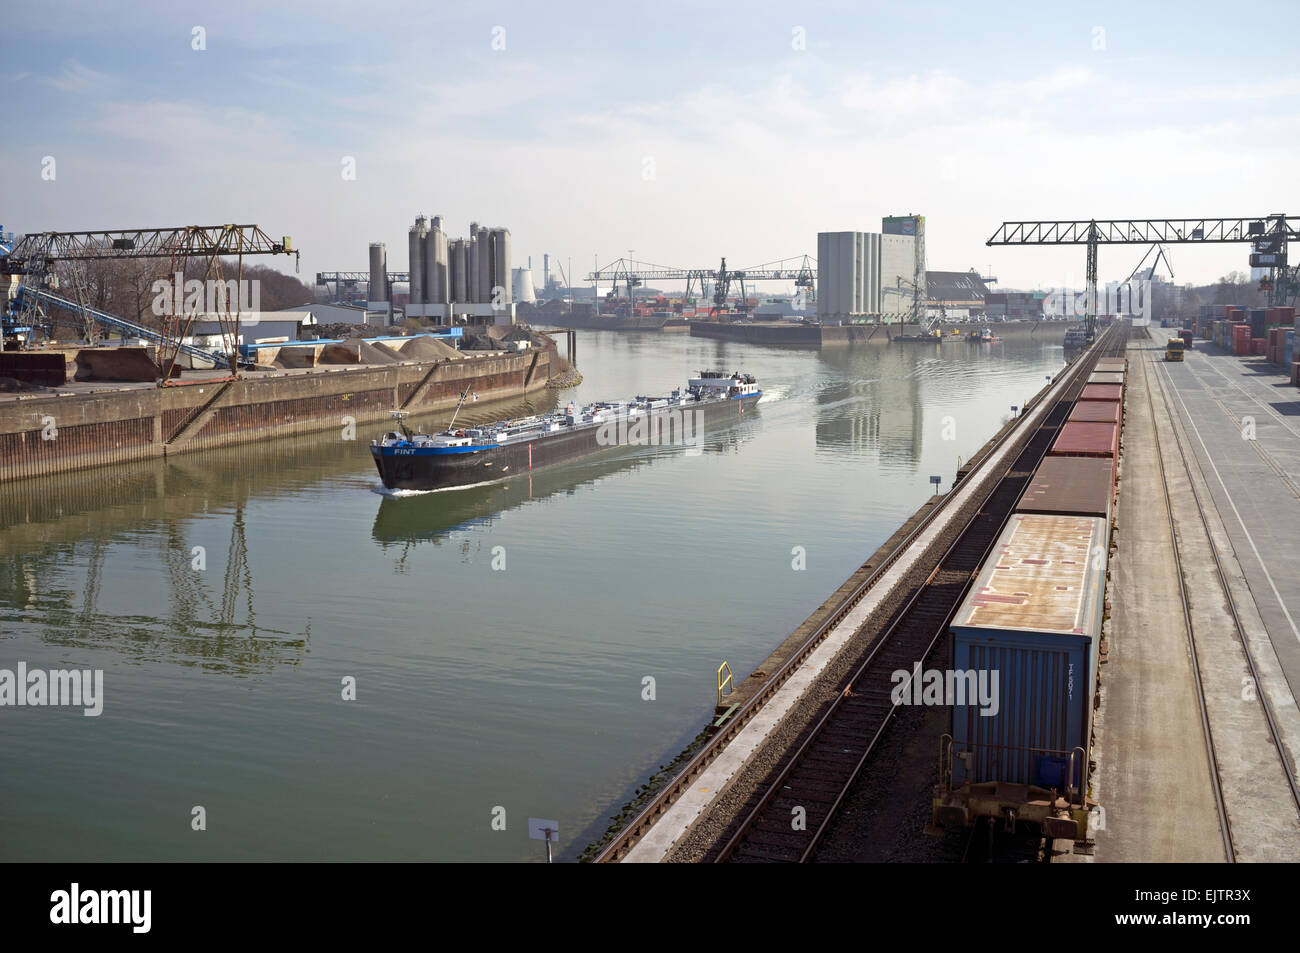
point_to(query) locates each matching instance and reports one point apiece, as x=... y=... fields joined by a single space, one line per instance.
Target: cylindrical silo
x=378 y=273
x=416 y=264
x=523 y=286
x=458 y=266
x=428 y=247
x=472 y=264
x=484 y=268
x=500 y=274
x=438 y=241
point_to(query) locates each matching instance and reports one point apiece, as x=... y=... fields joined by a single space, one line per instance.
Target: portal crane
x=32 y=257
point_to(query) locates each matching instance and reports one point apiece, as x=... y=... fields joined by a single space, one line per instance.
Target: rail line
x=681 y=782
x=1224 y=822
x=791 y=817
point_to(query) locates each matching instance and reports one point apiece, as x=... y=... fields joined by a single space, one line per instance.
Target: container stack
x=1241 y=342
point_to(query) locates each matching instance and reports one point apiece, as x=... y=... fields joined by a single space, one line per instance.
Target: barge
x=484 y=454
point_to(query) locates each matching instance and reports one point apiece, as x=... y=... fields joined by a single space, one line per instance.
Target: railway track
x=1225 y=824
x=794 y=810
x=645 y=819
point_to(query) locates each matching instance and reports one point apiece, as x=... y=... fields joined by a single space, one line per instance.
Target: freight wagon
x=1087 y=439
x=1071 y=486
x=1113 y=392
x=1031 y=626
x=1106 y=377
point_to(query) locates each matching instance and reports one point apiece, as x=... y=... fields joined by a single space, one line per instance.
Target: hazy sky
x=684 y=131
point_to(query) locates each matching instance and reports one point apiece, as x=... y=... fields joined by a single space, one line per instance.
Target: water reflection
x=878 y=408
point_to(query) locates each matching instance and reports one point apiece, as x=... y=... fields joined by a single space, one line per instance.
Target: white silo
x=523 y=289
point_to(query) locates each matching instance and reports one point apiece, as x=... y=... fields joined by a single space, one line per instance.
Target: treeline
x=1236 y=287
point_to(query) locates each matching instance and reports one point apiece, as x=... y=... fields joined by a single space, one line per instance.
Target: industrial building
x=869 y=276
x=955 y=295
x=467 y=278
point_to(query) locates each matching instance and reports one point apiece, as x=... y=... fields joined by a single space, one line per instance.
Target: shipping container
x=1087 y=440
x=1027 y=633
x=1111 y=364
x=1097 y=411
x=1071 y=486
x=1102 y=392
x=1106 y=377
x=1258 y=321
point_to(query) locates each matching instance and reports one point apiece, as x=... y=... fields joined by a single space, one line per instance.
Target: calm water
x=476 y=688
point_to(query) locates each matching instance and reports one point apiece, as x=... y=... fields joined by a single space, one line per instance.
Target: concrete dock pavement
x=1154 y=774
x=1254 y=483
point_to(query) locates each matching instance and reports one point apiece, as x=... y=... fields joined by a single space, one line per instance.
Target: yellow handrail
x=722 y=682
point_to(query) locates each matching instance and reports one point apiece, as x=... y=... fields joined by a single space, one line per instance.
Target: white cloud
x=78 y=79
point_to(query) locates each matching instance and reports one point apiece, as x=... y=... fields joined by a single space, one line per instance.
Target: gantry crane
x=633 y=274
x=1268 y=233
x=33 y=256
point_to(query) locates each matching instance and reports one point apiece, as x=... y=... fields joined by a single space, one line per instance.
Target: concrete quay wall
x=42 y=434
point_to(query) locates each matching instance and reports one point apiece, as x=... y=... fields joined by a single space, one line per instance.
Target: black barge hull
x=409 y=470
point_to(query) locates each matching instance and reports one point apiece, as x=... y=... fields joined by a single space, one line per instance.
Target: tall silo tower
x=378 y=277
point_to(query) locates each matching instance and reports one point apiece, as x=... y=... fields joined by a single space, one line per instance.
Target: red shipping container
x=1113 y=392
x=1096 y=411
x=1295 y=373
x=1257 y=346
x=1087 y=440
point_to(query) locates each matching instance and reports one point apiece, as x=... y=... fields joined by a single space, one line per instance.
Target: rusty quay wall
x=44 y=434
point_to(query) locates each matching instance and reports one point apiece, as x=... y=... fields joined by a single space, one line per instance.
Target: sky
x=682 y=132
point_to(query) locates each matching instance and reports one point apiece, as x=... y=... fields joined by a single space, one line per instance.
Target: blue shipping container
x=1029 y=631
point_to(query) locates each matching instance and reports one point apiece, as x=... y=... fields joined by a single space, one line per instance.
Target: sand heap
x=428 y=349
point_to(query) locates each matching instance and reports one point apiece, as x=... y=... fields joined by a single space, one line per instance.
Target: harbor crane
x=1268 y=234
x=634 y=274
x=32 y=259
